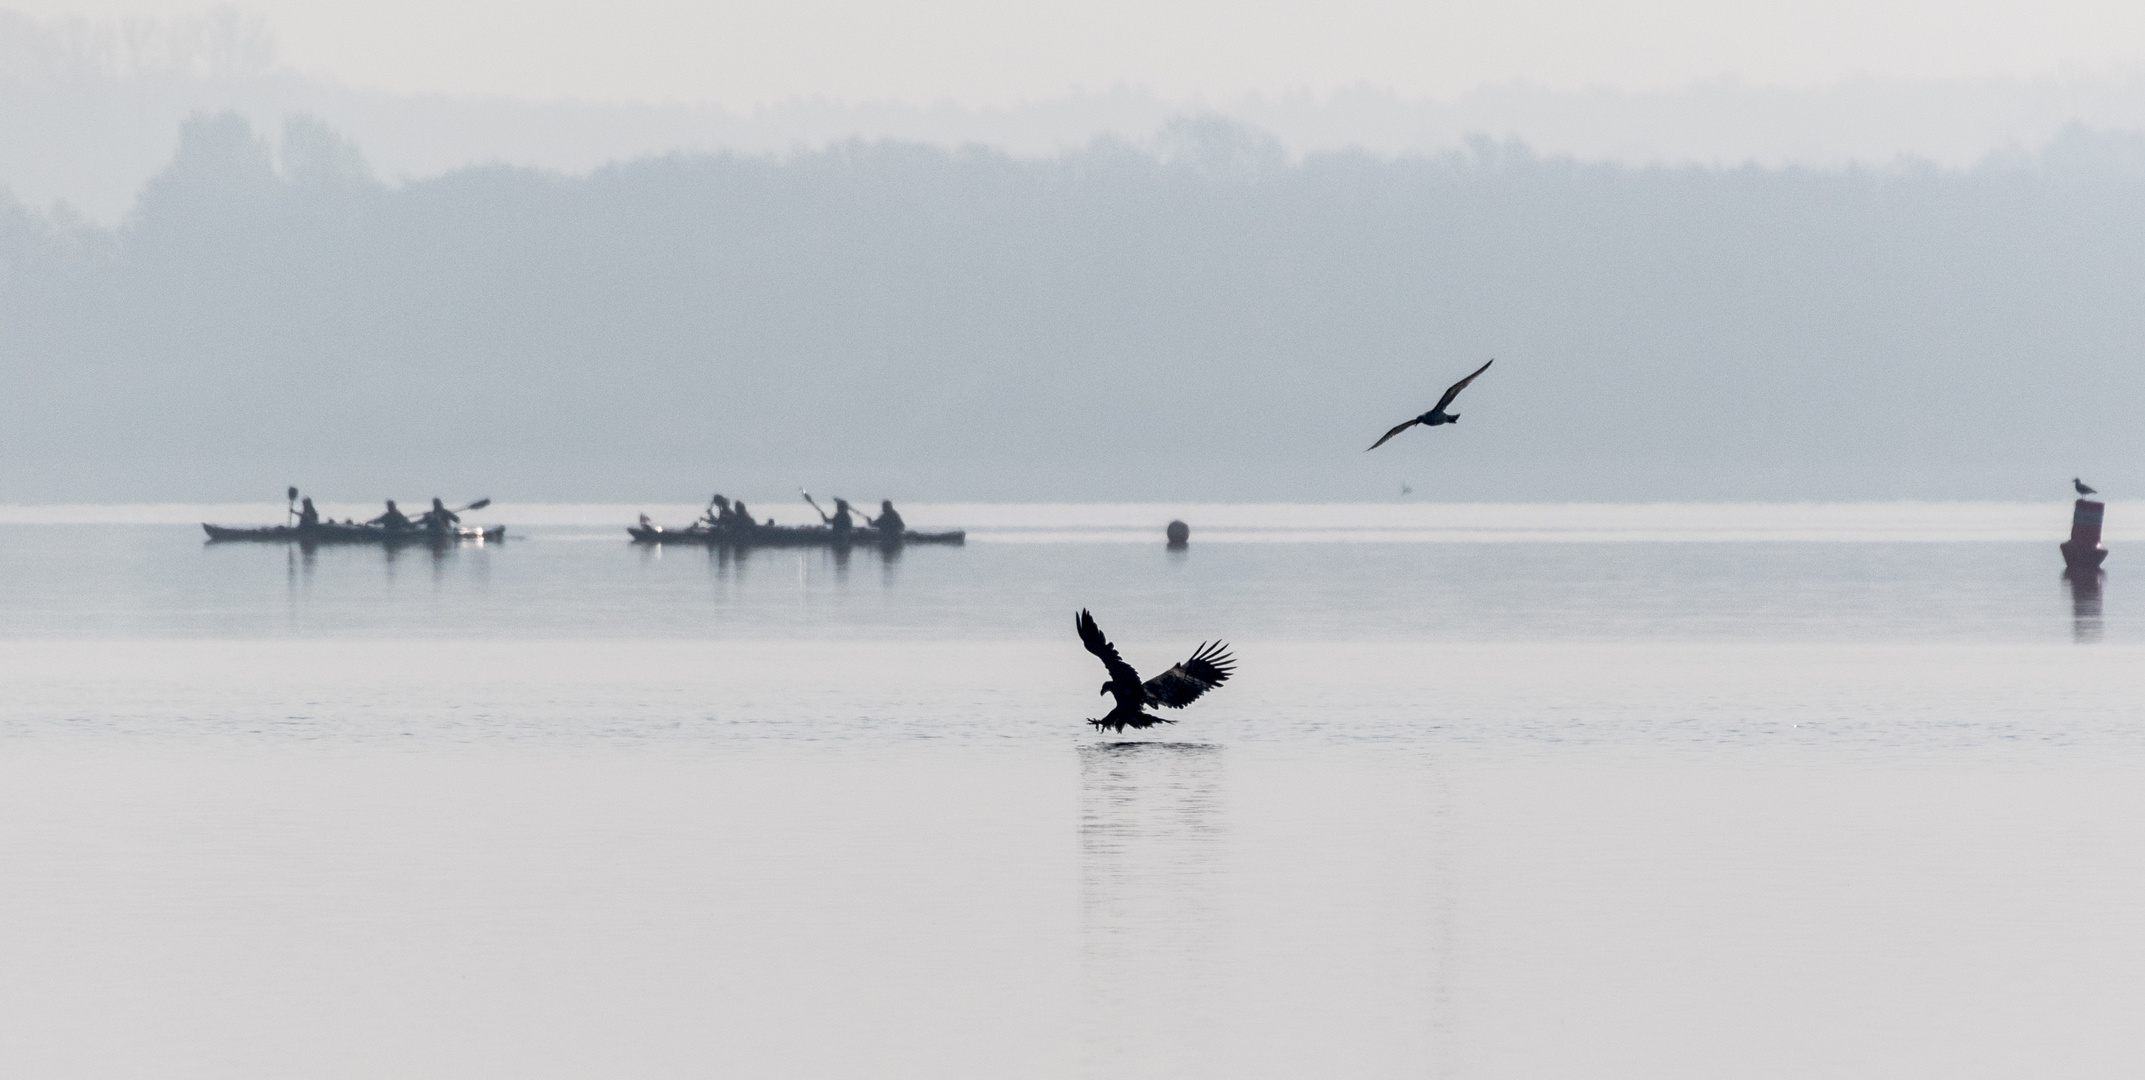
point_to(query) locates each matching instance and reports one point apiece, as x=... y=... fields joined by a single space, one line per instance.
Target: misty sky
x=975 y=52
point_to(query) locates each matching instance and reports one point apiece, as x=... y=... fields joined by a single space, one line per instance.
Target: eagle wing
x=1208 y=668
x=1124 y=682
x=1453 y=391
x=1396 y=430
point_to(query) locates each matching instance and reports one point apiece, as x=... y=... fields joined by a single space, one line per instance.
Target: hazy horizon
x=1194 y=316
x=1736 y=281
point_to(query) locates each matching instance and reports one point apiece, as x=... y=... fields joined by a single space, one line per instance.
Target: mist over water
x=1293 y=573
x=563 y=804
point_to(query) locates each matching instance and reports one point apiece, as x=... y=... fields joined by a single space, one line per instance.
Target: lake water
x=1498 y=791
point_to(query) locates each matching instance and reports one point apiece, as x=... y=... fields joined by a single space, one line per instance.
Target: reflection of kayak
x=331 y=533
x=787 y=536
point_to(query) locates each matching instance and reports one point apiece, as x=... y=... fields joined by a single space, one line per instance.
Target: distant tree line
x=1201 y=319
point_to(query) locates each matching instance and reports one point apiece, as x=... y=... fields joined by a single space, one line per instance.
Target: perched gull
x=2082 y=489
x=1437 y=415
x=1208 y=668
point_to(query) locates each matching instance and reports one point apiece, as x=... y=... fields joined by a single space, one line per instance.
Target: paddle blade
x=478 y=505
x=293 y=494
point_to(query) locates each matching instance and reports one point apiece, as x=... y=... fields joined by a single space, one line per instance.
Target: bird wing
x=1453 y=391
x=1396 y=430
x=1208 y=668
x=1124 y=682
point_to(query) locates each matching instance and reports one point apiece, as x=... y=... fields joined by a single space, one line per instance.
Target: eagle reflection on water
x=1154 y=846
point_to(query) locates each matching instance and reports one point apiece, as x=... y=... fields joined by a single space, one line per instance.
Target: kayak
x=328 y=532
x=787 y=536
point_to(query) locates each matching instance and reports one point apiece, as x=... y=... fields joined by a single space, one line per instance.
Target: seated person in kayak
x=439 y=519
x=393 y=519
x=841 y=522
x=889 y=522
x=717 y=515
x=743 y=520
x=308 y=518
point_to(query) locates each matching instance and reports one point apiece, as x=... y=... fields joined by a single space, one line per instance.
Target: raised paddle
x=478 y=505
x=815 y=506
x=440 y=525
x=290 y=503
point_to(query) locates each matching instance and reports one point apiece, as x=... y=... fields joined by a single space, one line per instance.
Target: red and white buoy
x=2082 y=553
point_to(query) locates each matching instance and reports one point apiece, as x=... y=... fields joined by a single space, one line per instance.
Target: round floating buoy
x=1180 y=534
x=2083 y=553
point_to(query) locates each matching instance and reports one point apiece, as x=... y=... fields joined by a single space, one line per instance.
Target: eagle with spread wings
x=1209 y=667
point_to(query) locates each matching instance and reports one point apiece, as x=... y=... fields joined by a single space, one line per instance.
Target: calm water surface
x=1498 y=792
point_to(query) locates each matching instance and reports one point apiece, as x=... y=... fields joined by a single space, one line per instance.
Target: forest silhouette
x=1201 y=316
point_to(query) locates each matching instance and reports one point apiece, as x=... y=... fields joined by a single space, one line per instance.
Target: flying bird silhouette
x=1437 y=415
x=2082 y=489
x=1209 y=667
